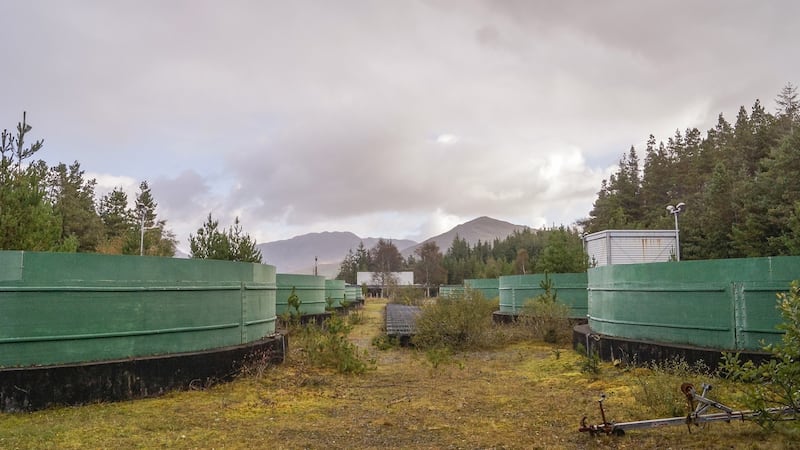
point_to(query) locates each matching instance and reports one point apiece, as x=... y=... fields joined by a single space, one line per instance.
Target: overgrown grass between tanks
x=524 y=394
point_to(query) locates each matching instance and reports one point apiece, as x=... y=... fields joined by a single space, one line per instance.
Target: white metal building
x=370 y=278
x=630 y=246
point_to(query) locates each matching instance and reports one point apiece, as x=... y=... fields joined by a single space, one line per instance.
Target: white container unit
x=630 y=246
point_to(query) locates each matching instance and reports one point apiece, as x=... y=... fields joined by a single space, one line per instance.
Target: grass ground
x=525 y=395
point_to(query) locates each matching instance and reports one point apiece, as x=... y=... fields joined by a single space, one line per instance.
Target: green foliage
x=385 y=342
x=55 y=209
x=589 y=362
x=774 y=383
x=545 y=317
x=385 y=258
x=547 y=320
x=149 y=236
x=460 y=322
x=360 y=261
x=114 y=212
x=67 y=245
x=428 y=269
x=232 y=245
x=355 y=318
x=563 y=253
x=293 y=303
x=407 y=295
x=658 y=385
x=739 y=181
x=209 y=242
x=348 y=269
x=328 y=346
x=27 y=219
x=73 y=200
x=438 y=356
x=242 y=246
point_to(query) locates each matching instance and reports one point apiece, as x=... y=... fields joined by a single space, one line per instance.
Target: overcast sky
x=397 y=119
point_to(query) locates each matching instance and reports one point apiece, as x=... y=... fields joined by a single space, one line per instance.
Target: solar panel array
x=401 y=320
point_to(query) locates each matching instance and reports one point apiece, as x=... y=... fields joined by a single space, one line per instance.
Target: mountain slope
x=481 y=229
x=296 y=255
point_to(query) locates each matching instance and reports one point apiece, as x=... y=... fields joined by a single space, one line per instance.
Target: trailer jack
x=698 y=406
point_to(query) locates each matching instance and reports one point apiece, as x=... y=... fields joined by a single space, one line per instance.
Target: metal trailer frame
x=698 y=405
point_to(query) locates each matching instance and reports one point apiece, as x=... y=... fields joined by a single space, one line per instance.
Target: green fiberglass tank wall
x=489 y=287
x=58 y=308
x=310 y=289
x=516 y=290
x=352 y=293
x=720 y=304
x=334 y=292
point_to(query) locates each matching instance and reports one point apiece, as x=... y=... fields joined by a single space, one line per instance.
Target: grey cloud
x=296 y=113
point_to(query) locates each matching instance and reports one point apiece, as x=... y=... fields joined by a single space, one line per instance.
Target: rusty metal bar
x=696 y=417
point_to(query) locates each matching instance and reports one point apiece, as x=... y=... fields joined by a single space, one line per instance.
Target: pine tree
x=73 y=200
x=348 y=268
x=151 y=236
x=27 y=220
x=114 y=212
x=232 y=245
x=210 y=242
x=243 y=247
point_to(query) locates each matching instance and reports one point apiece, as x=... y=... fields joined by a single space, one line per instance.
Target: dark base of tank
x=630 y=351
x=32 y=388
x=509 y=317
x=503 y=317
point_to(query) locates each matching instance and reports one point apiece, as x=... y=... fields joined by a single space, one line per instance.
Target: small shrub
x=546 y=318
x=438 y=356
x=355 y=318
x=293 y=303
x=328 y=346
x=407 y=295
x=590 y=361
x=461 y=322
x=385 y=342
x=658 y=385
x=774 y=383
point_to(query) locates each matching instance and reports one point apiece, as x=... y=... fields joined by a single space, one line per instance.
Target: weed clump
x=328 y=346
x=458 y=323
x=658 y=385
x=590 y=361
x=407 y=295
x=544 y=317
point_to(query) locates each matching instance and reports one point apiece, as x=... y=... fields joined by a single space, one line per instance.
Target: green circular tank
x=60 y=308
x=489 y=287
x=516 y=290
x=334 y=293
x=451 y=290
x=719 y=304
x=352 y=293
x=310 y=289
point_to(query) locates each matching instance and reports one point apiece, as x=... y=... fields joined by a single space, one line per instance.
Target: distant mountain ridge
x=484 y=229
x=296 y=255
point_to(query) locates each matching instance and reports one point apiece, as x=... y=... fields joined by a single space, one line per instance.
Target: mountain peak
x=326 y=248
x=484 y=229
x=297 y=255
